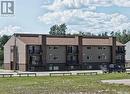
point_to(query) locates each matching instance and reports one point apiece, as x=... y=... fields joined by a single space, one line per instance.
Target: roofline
x=48 y=35
x=63 y=36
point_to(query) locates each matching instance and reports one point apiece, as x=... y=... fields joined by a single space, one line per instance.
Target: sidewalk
x=47 y=73
x=122 y=81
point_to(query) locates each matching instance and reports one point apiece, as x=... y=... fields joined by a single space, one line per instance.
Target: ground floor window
x=56 y=67
x=50 y=68
x=72 y=67
x=53 y=67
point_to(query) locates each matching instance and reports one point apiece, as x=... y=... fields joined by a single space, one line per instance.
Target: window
x=88 y=57
x=119 y=57
x=71 y=67
x=72 y=58
x=49 y=47
x=35 y=60
x=99 y=47
x=37 y=49
x=105 y=57
x=99 y=57
x=30 y=49
x=55 y=58
x=55 y=47
x=50 y=68
x=69 y=49
x=104 y=48
x=89 y=67
x=56 y=67
x=72 y=49
x=88 y=47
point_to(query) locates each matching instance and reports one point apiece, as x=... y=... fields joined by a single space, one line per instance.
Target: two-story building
x=37 y=52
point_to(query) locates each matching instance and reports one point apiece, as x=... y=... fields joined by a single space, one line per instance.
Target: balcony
x=120 y=51
x=72 y=62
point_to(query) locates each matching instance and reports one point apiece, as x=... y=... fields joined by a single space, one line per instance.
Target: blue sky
x=37 y=16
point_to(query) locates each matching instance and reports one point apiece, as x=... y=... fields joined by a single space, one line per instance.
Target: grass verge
x=64 y=85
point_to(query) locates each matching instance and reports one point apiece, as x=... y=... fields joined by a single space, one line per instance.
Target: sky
x=95 y=16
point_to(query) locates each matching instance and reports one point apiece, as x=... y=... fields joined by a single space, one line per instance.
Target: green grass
x=64 y=85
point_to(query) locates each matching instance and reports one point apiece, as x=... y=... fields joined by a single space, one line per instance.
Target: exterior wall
x=58 y=53
x=94 y=53
x=62 y=41
x=127 y=56
x=21 y=54
x=7 y=66
x=97 y=41
x=22 y=67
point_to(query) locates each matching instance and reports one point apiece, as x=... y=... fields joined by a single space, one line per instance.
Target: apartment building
x=37 y=52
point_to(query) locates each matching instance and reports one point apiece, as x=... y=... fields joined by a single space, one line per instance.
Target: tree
x=112 y=33
x=62 y=29
x=3 y=40
x=58 y=29
x=104 y=34
x=123 y=36
x=1 y=56
x=81 y=33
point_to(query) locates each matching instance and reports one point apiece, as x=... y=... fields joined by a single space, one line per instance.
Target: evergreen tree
x=58 y=29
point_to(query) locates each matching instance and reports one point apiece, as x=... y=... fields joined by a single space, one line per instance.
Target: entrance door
x=11 y=65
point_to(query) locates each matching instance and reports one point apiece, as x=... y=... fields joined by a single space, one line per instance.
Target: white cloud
x=10 y=30
x=71 y=4
x=81 y=15
x=91 y=21
x=122 y=3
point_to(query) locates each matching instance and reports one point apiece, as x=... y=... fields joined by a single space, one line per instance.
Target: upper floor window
x=104 y=48
x=55 y=58
x=69 y=49
x=119 y=57
x=30 y=48
x=72 y=49
x=50 y=47
x=88 y=47
x=37 y=49
x=72 y=58
x=99 y=57
x=34 y=49
x=99 y=47
x=88 y=57
x=55 y=47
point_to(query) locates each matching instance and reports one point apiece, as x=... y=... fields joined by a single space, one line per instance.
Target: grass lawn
x=64 y=85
